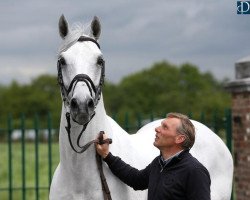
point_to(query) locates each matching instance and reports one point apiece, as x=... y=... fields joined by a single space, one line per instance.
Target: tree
x=41 y=96
x=162 y=88
x=165 y=88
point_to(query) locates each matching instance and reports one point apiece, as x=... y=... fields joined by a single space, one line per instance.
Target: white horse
x=80 y=75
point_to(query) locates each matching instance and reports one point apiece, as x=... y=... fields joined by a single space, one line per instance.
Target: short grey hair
x=185 y=128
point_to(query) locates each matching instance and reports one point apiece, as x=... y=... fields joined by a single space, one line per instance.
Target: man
x=175 y=174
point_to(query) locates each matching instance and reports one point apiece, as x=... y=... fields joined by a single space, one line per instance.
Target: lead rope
x=68 y=127
x=99 y=140
x=105 y=187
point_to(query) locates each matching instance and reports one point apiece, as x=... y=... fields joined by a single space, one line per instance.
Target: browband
x=83 y=38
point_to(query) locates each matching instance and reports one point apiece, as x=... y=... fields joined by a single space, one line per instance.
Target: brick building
x=240 y=90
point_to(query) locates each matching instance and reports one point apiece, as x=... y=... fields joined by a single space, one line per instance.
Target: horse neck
x=69 y=158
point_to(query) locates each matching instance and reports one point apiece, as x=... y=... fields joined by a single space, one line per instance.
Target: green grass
x=30 y=170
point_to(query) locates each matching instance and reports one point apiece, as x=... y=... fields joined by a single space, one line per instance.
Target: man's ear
x=180 y=138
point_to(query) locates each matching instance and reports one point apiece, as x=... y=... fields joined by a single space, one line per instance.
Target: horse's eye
x=100 y=61
x=62 y=61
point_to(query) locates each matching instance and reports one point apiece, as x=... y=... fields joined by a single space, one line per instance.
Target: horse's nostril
x=91 y=104
x=73 y=104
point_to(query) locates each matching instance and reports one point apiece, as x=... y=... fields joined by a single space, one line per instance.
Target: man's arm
x=137 y=179
x=198 y=184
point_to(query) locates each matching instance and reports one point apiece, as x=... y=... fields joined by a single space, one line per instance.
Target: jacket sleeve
x=137 y=179
x=198 y=184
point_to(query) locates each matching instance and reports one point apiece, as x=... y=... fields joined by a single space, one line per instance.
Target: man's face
x=166 y=135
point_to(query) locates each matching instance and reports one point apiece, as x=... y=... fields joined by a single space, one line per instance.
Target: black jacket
x=184 y=178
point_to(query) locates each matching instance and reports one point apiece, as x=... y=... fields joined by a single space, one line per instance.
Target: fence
x=28 y=157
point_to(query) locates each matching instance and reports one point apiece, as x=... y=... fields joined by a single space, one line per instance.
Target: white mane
x=77 y=30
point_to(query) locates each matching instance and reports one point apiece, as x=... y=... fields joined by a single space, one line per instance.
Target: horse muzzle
x=82 y=111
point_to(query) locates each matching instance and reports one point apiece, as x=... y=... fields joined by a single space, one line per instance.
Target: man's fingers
x=105 y=136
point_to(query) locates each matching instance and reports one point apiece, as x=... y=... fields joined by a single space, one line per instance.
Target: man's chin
x=155 y=144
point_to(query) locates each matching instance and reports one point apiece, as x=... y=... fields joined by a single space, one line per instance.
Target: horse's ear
x=96 y=27
x=63 y=27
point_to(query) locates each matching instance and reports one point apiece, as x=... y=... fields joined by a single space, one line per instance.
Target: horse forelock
x=74 y=34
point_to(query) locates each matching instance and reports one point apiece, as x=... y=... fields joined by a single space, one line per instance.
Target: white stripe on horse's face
x=81 y=58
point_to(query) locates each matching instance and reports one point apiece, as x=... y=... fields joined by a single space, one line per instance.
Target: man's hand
x=103 y=150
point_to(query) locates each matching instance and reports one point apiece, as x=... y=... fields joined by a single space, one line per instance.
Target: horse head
x=80 y=70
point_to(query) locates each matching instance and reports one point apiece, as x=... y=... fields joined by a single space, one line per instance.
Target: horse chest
x=75 y=185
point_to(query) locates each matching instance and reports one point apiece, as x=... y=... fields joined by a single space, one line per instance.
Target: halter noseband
x=95 y=93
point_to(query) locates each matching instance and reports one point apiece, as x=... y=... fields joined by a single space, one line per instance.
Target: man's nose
x=157 y=129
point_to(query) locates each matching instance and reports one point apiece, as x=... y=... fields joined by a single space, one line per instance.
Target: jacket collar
x=175 y=158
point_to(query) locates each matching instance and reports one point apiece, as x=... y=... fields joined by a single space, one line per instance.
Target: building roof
x=244 y=59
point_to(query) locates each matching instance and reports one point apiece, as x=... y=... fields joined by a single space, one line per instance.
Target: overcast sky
x=135 y=34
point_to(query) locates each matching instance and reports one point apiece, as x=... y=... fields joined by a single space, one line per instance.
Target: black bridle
x=95 y=92
x=81 y=77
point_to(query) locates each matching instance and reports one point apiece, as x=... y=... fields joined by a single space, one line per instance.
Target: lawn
x=36 y=184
